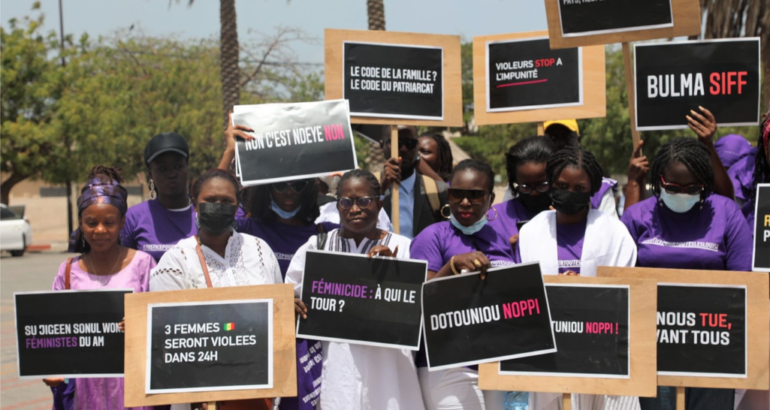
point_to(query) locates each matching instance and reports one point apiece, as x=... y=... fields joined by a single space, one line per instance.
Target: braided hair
x=478 y=166
x=111 y=172
x=761 y=166
x=690 y=152
x=444 y=154
x=261 y=200
x=532 y=149
x=575 y=157
x=211 y=174
x=374 y=184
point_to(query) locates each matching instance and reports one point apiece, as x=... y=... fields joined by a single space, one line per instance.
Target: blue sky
x=467 y=18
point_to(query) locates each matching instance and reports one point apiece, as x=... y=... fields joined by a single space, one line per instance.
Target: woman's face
x=290 y=198
x=101 y=225
x=532 y=174
x=217 y=190
x=464 y=186
x=169 y=172
x=357 y=219
x=678 y=173
x=428 y=150
x=573 y=179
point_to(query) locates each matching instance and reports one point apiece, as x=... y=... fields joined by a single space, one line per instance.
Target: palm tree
x=376 y=11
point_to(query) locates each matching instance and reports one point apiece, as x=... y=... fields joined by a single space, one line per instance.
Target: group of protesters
x=559 y=210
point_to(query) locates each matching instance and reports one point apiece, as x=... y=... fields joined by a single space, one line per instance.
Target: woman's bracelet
x=452 y=265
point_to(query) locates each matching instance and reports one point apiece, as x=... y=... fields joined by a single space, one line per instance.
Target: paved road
x=30 y=272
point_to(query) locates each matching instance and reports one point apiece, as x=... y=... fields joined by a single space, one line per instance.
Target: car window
x=7 y=214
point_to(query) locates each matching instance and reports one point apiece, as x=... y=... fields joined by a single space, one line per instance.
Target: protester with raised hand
x=436 y=153
x=103 y=263
x=156 y=225
x=761 y=170
x=466 y=243
x=358 y=377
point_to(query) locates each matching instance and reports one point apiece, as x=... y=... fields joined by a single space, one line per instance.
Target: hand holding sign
x=705 y=126
x=639 y=165
x=471 y=262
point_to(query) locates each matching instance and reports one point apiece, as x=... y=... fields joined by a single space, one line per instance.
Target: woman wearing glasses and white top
x=466 y=243
x=358 y=377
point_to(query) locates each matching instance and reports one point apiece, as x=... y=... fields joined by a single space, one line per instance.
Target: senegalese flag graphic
x=229 y=326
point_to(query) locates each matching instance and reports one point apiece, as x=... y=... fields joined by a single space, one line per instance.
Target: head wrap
x=103 y=190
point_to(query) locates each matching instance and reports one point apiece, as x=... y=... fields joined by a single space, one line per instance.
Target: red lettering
x=741 y=81
x=714 y=79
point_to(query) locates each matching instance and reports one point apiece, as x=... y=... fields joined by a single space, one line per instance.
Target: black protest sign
x=369 y=301
x=209 y=346
x=294 y=141
x=582 y=18
x=762 y=229
x=526 y=74
x=393 y=81
x=671 y=79
x=70 y=333
x=701 y=330
x=471 y=321
x=591 y=324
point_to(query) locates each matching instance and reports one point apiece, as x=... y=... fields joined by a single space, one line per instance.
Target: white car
x=15 y=231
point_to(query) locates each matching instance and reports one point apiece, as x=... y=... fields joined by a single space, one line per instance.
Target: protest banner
x=670 y=79
x=470 y=321
x=208 y=345
x=605 y=334
x=712 y=326
x=294 y=141
x=369 y=301
x=69 y=333
x=574 y=23
x=525 y=81
x=761 y=259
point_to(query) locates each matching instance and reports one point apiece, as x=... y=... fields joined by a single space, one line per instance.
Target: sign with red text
x=471 y=321
x=369 y=301
x=671 y=79
x=70 y=333
x=294 y=141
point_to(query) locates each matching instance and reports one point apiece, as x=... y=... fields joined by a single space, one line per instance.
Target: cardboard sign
x=591 y=324
x=525 y=74
x=605 y=332
x=203 y=345
x=209 y=346
x=712 y=326
x=762 y=229
x=583 y=18
x=370 y=301
x=470 y=321
x=294 y=141
x=670 y=79
x=395 y=81
x=69 y=333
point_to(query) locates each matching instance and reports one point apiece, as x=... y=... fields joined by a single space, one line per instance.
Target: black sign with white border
x=761 y=259
x=585 y=18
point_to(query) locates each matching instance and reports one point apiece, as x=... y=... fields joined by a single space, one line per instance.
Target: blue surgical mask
x=283 y=214
x=468 y=230
x=679 y=203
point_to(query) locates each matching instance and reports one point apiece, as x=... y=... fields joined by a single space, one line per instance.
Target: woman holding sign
x=468 y=242
x=761 y=170
x=359 y=377
x=687 y=226
x=103 y=263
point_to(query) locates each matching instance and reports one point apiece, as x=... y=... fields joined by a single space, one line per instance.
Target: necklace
x=103 y=279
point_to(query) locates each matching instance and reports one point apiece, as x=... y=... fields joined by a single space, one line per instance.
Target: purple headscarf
x=101 y=190
x=731 y=148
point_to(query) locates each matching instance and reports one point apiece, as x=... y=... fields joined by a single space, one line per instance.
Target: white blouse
x=248 y=261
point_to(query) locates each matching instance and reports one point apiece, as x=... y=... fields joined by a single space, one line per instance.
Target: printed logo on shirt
x=156 y=247
x=501 y=263
x=571 y=263
x=284 y=256
x=708 y=246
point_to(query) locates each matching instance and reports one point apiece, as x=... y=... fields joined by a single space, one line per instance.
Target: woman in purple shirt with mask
x=465 y=243
x=686 y=226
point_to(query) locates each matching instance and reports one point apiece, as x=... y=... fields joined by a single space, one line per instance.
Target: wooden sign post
x=395 y=78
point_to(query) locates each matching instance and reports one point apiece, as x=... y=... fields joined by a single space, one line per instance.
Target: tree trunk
x=228 y=48
x=376 y=11
x=5 y=187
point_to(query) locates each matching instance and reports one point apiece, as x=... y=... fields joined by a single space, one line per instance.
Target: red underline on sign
x=522 y=83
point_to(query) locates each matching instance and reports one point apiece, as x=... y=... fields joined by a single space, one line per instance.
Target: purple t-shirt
x=742 y=175
x=439 y=242
x=509 y=213
x=569 y=245
x=748 y=211
x=731 y=148
x=154 y=229
x=607 y=184
x=713 y=238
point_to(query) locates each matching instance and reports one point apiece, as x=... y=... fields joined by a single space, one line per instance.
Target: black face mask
x=216 y=218
x=569 y=202
x=536 y=204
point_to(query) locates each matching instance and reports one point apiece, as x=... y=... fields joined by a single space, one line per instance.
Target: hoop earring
x=446 y=215
x=494 y=209
x=153 y=194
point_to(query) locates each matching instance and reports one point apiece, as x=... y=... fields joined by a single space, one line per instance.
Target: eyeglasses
x=475 y=196
x=363 y=202
x=409 y=143
x=525 y=189
x=691 y=189
x=296 y=186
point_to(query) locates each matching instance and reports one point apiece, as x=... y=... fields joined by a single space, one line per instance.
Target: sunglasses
x=409 y=143
x=691 y=189
x=525 y=189
x=363 y=202
x=474 y=196
x=296 y=186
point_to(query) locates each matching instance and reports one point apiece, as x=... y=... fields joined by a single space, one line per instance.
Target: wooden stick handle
x=395 y=208
x=566 y=401
x=540 y=129
x=680 y=398
x=629 y=71
x=212 y=405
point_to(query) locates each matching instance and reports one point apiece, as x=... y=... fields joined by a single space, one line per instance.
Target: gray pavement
x=31 y=272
